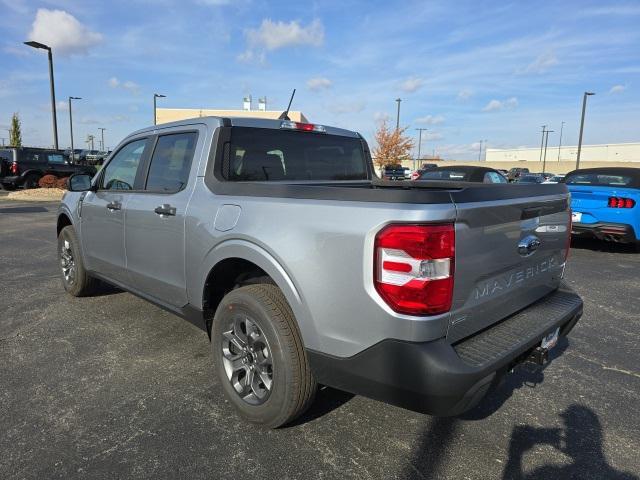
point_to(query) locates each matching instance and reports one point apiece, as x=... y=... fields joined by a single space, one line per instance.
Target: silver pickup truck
x=276 y=239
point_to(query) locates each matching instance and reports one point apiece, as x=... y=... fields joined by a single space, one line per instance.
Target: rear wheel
x=31 y=181
x=75 y=278
x=259 y=356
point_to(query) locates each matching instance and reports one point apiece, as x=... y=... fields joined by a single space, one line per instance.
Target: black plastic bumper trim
x=430 y=377
x=601 y=230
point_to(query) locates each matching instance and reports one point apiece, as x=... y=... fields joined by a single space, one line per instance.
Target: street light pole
x=480 y=151
x=156 y=95
x=398 y=100
x=73 y=155
x=546 y=141
x=420 y=130
x=544 y=127
x=560 y=142
x=102 y=138
x=51 y=84
x=584 y=107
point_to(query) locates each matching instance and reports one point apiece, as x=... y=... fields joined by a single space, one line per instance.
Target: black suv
x=24 y=166
x=515 y=173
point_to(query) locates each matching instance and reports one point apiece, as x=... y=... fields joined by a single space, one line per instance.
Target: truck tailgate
x=509 y=253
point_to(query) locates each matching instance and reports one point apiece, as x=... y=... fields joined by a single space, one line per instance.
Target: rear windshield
x=600 y=178
x=263 y=154
x=450 y=175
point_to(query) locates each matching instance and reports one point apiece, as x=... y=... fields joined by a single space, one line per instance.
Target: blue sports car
x=606 y=203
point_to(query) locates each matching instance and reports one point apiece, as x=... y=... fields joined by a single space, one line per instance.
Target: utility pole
x=420 y=130
x=102 y=138
x=584 y=107
x=73 y=155
x=546 y=141
x=51 y=86
x=544 y=127
x=398 y=100
x=480 y=151
x=2 y=141
x=560 y=142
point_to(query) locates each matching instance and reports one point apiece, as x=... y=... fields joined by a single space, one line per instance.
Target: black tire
x=31 y=181
x=292 y=386
x=77 y=281
x=8 y=187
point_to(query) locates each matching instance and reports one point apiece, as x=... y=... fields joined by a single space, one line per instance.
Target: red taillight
x=618 y=202
x=413 y=268
x=14 y=168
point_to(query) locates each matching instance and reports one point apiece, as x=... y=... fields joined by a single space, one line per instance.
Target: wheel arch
x=220 y=271
x=64 y=220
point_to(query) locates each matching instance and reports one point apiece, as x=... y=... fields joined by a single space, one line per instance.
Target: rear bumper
x=620 y=232
x=443 y=379
x=13 y=181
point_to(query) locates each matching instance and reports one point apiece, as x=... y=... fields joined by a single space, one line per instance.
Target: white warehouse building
x=613 y=152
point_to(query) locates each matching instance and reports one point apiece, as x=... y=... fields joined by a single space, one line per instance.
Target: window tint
x=120 y=173
x=169 y=170
x=606 y=179
x=448 y=175
x=56 y=158
x=260 y=154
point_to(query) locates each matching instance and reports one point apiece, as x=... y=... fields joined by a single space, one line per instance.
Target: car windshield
x=600 y=178
x=446 y=175
x=263 y=154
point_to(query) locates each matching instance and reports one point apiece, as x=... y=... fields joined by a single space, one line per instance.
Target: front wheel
x=75 y=278
x=259 y=356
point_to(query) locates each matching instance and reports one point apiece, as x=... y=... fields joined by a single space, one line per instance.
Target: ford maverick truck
x=278 y=241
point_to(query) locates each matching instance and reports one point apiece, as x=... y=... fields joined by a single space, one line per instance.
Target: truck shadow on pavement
x=327 y=399
x=601 y=245
x=580 y=440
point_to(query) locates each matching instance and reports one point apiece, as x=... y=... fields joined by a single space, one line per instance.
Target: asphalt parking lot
x=113 y=387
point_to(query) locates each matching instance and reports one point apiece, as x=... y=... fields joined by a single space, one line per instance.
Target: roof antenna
x=285 y=115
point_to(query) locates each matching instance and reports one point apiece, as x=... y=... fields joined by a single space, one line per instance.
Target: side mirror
x=80 y=182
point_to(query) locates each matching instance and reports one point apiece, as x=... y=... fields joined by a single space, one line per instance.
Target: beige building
x=166 y=115
x=614 y=152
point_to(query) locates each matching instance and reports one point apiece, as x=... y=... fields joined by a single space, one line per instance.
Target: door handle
x=165 y=209
x=114 y=206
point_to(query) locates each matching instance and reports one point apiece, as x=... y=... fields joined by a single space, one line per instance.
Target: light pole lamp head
x=34 y=44
x=157 y=95
x=589 y=93
x=75 y=98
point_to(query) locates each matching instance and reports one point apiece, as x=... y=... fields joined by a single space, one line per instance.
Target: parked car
x=515 y=173
x=276 y=239
x=393 y=172
x=505 y=173
x=605 y=203
x=531 y=178
x=425 y=166
x=464 y=173
x=24 y=166
x=554 y=179
x=75 y=156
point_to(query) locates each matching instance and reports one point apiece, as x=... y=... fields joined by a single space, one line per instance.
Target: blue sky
x=465 y=70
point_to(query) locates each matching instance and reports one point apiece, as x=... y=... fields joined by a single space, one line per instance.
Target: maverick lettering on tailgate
x=510 y=280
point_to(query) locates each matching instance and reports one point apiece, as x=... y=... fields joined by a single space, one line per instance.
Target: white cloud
x=274 y=35
x=62 y=106
x=128 y=85
x=496 y=105
x=319 y=83
x=411 y=84
x=464 y=94
x=432 y=136
x=381 y=117
x=62 y=32
x=430 y=120
x=541 y=64
x=617 y=89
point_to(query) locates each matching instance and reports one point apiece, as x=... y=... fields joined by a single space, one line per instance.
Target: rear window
x=450 y=175
x=261 y=154
x=600 y=178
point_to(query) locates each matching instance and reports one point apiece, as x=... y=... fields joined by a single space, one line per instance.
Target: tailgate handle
x=531 y=212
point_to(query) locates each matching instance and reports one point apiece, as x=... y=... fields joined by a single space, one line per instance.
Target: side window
x=120 y=173
x=34 y=156
x=493 y=177
x=171 y=161
x=55 y=158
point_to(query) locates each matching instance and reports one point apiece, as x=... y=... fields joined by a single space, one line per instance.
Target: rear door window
x=171 y=162
x=56 y=158
x=261 y=154
x=494 y=177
